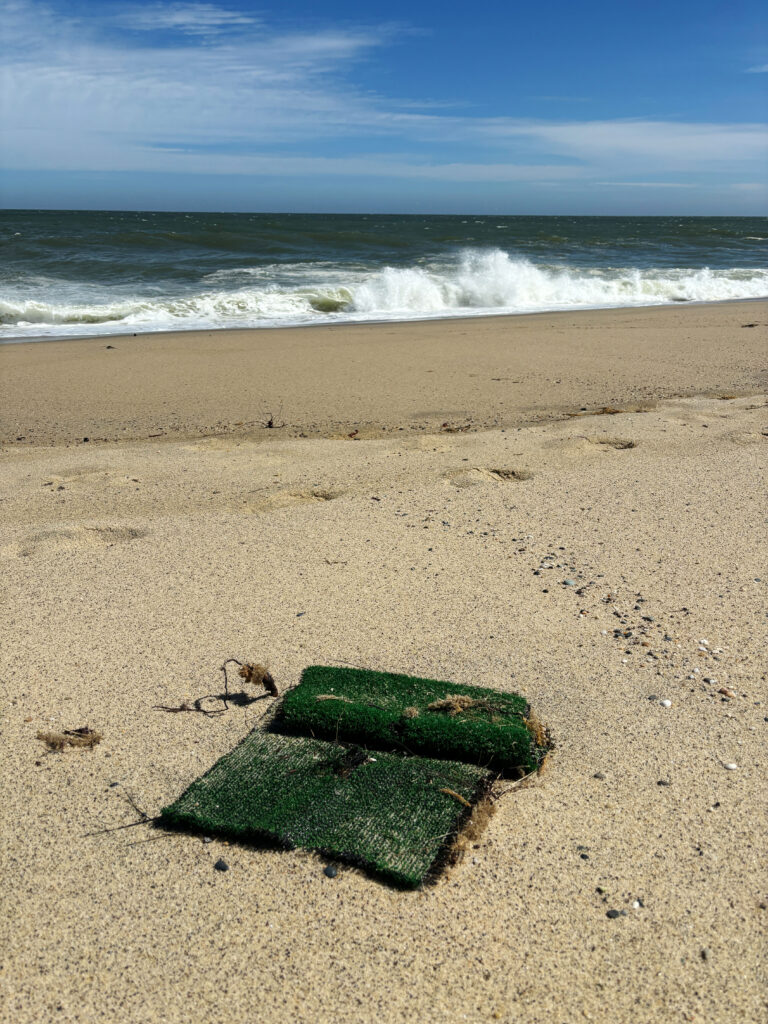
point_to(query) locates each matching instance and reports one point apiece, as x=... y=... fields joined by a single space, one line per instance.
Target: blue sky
x=558 y=107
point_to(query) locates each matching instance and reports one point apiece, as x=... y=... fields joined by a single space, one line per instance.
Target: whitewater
x=144 y=279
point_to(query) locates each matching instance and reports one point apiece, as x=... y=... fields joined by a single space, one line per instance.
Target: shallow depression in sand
x=72 y=539
x=481 y=475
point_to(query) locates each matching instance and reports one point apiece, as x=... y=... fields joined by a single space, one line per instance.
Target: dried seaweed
x=82 y=737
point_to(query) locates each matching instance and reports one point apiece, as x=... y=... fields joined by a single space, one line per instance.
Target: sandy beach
x=570 y=506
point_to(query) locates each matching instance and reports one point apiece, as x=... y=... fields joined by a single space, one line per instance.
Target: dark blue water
x=71 y=273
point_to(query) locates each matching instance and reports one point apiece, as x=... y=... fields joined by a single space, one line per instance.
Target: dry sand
x=133 y=568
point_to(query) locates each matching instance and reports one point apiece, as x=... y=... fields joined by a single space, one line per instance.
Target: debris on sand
x=82 y=737
x=259 y=675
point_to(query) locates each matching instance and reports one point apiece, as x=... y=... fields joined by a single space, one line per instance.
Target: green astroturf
x=391 y=712
x=383 y=811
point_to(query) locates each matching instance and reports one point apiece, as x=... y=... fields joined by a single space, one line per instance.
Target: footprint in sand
x=88 y=479
x=480 y=475
x=287 y=499
x=72 y=538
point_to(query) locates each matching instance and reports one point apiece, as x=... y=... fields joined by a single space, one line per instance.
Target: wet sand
x=599 y=563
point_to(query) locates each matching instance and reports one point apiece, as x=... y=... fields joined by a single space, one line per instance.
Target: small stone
x=704 y=954
x=663 y=782
x=652 y=696
x=730 y=767
x=584 y=856
x=221 y=865
x=569 y=583
x=666 y=703
x=726 y=692
x=331 y=871
x=636 y=905
x=207 y=839
x=613 y=914
x=598 y=775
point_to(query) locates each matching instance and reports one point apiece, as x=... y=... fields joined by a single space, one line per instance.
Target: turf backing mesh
x=419 y=716
x=390 y=814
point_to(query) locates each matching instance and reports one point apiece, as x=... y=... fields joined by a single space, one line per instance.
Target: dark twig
x=130 y=800
x=229 y=661
x=119 y=828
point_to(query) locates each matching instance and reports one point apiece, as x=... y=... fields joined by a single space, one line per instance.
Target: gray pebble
x=331 y=871
x=569 y=583
x=221 y=865
x=598 y=775
x=613 y=914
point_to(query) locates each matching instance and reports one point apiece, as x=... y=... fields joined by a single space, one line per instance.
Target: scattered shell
x=666 y=703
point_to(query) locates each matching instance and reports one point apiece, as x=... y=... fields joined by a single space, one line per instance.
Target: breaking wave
x=474 y=282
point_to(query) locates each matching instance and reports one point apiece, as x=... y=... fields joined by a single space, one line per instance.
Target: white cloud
x=192 y=19
x=218 y=91
x=647 y=184
x=760 y=69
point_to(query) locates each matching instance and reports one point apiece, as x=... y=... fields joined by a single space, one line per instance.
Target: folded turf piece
x=383 y=711
x=391 y=814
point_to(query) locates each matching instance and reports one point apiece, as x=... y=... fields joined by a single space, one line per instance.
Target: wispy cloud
x=647 y=184
x=192 y=19
x=202 y=88
x=760 y=69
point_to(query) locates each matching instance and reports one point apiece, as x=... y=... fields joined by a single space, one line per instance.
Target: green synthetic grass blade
x=419 y=716
x=391 y=814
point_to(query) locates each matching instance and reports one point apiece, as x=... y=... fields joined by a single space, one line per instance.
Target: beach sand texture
x=600 y=564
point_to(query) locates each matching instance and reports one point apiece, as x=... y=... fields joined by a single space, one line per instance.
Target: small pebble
x=613 y=914
x=569 y=583
x=730 y=767
x=598 y=775
x=221 y=865
x=663 y=782
x=636 y=905
x=666 y=703
x=207 y=839
x=331 y=871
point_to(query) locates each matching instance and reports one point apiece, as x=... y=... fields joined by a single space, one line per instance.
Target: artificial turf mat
x=392 y=712
x=388 y=813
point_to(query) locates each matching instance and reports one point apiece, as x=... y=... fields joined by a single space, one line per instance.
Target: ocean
x=75 y=274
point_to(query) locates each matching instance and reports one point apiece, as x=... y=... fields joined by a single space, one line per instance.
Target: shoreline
x=423 y=376
x=36 y=340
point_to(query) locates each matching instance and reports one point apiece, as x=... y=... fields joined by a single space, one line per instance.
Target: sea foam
x=473 y=282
